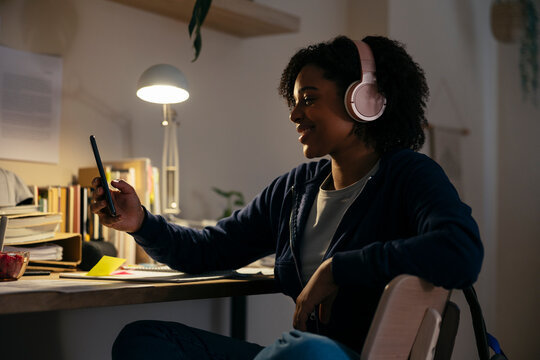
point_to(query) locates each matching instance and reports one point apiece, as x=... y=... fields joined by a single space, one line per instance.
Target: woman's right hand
x=129 y=212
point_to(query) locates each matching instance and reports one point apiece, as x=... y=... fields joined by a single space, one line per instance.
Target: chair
x=447 y=335
x=407 y=322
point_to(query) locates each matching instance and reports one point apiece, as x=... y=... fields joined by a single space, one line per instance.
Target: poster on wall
x=30 y=101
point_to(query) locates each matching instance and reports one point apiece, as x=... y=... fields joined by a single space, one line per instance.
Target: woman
x=342 y=228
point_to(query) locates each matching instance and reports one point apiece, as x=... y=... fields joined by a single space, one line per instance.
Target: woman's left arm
x=320 y=290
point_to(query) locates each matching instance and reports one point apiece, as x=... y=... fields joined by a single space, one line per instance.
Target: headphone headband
x=362 y=99
x=367 y=62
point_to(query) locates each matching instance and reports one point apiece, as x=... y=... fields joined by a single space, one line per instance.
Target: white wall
x=518 y=196
x=500 y=157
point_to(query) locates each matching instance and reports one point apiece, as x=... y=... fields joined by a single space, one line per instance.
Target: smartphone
x=104 y=183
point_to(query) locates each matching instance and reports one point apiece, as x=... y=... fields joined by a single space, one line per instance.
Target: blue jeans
x=147 y=339
x=298 y=345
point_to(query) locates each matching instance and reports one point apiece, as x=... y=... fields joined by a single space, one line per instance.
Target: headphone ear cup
x=363 y=101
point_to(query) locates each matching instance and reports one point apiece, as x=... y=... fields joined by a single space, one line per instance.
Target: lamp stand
x=170 y=167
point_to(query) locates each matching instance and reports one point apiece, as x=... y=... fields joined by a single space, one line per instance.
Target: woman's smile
x=305 y=130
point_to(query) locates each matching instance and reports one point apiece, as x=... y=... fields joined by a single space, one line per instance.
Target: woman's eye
x=308 y=101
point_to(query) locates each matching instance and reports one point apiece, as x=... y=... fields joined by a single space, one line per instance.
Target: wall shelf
x=242 y=18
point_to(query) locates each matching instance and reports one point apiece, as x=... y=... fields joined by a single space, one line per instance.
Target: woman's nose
x=295 y=114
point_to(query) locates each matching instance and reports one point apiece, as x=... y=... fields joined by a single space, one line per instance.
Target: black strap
x=478 y=323
x=480 y=332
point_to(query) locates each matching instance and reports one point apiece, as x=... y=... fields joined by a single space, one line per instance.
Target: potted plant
x=234 y=198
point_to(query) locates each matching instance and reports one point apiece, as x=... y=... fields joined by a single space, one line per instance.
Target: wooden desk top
x=48 y=300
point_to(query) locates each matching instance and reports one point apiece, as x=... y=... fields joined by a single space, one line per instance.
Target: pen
x=36 y=272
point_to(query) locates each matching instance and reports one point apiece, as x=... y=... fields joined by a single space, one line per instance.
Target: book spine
x=76 y=216
x=63 y=209
x=84 y=214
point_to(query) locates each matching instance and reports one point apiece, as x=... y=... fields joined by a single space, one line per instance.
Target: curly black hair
x=399 y=79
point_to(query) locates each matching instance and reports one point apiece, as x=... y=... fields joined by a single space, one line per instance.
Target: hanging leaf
x=200 y=10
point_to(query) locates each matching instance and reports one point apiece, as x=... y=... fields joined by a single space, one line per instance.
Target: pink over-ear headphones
x=362 y=100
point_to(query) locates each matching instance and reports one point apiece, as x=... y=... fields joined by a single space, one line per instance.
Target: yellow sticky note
x=105 y=266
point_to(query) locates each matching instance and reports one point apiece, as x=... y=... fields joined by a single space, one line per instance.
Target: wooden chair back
x=407 y=320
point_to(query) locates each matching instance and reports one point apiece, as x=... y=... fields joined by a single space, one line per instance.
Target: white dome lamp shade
x=163 y=84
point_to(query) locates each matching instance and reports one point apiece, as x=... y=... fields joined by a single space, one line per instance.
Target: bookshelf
x=70 y=201
x=139 y=173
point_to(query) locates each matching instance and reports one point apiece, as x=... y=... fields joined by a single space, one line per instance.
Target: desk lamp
x=165 y=84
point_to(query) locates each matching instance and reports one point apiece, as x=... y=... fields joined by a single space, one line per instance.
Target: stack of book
x=37 y=232
x=20 y=209
x=47 y=251
x=31 y=226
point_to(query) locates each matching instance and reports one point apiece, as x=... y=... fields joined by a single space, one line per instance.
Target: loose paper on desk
x=105 y=266
x=152 y=276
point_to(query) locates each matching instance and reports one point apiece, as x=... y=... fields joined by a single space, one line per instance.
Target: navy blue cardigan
x=407 y=220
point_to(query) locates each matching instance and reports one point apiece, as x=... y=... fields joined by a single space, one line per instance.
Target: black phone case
x=108 y=196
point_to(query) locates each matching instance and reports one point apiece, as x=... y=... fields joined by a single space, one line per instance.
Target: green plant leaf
x=226 y=213
x=239 y=202
x=225 y=194
x=230 y=195
x=200 y=10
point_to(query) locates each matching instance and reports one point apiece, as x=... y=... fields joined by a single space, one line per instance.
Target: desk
x=26 y=302
x=52 y=320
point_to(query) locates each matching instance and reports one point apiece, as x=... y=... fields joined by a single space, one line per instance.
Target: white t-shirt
x=324 y=218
